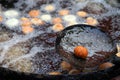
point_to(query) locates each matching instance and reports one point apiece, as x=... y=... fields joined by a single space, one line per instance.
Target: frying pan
x=68 y=55
x=107 y=74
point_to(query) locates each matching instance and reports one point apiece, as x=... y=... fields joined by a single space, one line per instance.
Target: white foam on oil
x=31 y=54
x=16 y=39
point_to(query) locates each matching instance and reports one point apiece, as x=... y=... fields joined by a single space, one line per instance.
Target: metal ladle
x=77 y=62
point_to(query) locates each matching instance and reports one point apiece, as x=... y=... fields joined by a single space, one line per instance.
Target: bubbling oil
x=36 y=50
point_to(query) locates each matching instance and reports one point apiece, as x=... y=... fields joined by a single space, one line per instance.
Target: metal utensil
x=69 y=56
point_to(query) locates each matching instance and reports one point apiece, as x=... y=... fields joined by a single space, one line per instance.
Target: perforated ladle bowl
x=99 y=44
